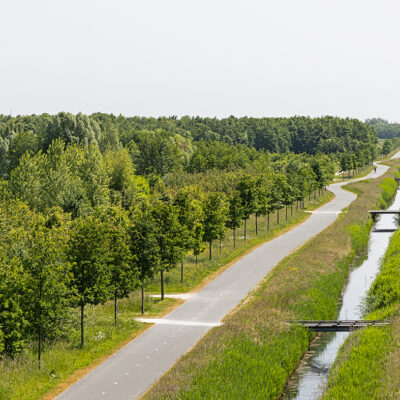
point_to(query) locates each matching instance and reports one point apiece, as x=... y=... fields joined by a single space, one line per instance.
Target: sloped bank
x=255 y=351
x=369 y=361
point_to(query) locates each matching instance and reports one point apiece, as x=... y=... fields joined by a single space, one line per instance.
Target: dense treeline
x=163 y=145
x=384 y=129
x=93 y=206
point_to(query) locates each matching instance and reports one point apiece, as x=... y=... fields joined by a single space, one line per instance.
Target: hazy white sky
x=201 y=57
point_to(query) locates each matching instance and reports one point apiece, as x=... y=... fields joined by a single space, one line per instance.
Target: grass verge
x=252 y=355
x=65 y=362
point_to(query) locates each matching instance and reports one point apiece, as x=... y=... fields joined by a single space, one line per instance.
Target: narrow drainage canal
x=310 y=378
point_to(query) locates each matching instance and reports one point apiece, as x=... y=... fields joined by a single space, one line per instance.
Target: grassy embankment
x=64 y=361
x=368 y=364
x=253 y=354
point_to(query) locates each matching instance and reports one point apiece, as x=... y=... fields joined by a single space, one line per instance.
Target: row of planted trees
x=53 y=260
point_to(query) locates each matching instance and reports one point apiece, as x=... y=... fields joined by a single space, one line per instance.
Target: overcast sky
x=201 y=57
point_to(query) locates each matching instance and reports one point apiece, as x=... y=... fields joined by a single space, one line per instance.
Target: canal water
x=309 y=380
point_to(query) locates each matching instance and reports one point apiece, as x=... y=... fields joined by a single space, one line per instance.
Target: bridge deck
x=384 y=211
x=340 y=325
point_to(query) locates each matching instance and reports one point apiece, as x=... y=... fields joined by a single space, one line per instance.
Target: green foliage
x=359 y=236
x=88 y=253
x=389 y=188
x=71 y=129
x=248 y=192
x=214 y=217
x=385 y=291
x=384 y=129
x=73 y=178
x=47 y=277
x=13 y=321
x=235 y=211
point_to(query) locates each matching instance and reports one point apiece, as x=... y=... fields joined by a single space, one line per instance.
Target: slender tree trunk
x=315 y=194
x=256 y=225
x=182 y=271
x=245 y=225
x=142 y=296
x=297 y=206
x=210 y=248
x=291 y=210
x=277 y=217
x=115 y=308
x=234 y=238
x=309 y=196
x=268 y=222
x=286 y=212
x=82 y=325
x=40 y=348
x=196 y=262
x=162 y=284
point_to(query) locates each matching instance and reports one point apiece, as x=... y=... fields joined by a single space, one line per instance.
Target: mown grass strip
x=252 y=355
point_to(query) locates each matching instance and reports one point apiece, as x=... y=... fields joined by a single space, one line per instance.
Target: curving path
x=134 y=368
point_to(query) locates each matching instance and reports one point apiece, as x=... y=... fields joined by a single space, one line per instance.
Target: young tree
x=248 y=193
x=215 y=211
x=13 y=321
x=144 y=245
x=197 y=243
x=47 y=280
x=88 y=253
x=235 y=214
x=168 y=236
x=188 y=215
x=264 y=198
x=122 y=275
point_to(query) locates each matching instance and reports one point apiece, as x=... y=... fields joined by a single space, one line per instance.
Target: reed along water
x=309 y=380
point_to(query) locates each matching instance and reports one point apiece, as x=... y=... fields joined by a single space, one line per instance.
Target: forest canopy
x=192 y=144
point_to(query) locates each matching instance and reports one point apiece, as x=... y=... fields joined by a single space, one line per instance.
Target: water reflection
x=309 y=381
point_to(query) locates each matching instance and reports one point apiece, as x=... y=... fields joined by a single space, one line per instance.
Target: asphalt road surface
x=134 y=368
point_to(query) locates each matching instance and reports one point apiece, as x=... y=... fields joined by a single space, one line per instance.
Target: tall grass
x=369 y=361
x=252 y=355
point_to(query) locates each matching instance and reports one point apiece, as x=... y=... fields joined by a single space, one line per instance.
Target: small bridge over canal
x=340 y=325
x=375 y=213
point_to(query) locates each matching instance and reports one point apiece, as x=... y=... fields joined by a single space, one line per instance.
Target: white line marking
x=164 y=321
x=323 y=212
